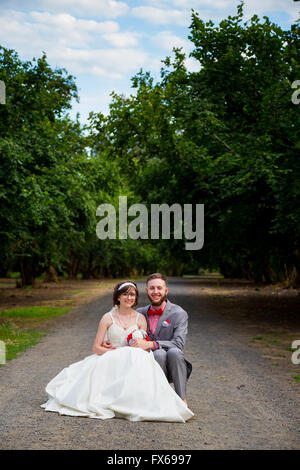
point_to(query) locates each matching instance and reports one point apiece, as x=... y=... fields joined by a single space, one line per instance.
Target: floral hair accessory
x=137 y=334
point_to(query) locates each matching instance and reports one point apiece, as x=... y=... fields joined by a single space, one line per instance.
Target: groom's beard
x=158 y=302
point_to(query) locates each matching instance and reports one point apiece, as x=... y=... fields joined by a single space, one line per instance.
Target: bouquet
x=137 y=334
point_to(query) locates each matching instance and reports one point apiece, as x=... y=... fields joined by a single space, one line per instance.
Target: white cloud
x=251 y=7
x=162 y=16
x=266 y=7
x=199 y=4
x=192 y=65
x=35 y=28
x=84 y=37
x=104 y=63
x=85 y=8
x=120 y=39
x=181 y=17
x=83 y=46
x=217 y=10
x=65 y=21
x=111 y=63
x=167 y=40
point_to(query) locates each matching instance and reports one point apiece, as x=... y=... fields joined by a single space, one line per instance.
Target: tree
x=224 y=136
x=38 y=151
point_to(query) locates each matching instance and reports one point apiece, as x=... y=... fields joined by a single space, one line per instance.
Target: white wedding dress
x=125 y=382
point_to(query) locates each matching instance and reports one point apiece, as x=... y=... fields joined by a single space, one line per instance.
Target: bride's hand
x=108 y=345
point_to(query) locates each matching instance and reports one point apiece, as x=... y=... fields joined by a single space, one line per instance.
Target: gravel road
x=238 y=400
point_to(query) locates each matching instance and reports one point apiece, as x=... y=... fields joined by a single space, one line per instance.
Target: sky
x=103 y=43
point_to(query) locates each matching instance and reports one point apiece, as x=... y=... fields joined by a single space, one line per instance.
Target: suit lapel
x=145 y=312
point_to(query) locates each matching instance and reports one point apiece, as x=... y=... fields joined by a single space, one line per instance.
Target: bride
x=118 y=380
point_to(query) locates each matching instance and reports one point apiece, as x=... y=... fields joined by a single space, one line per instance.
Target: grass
x=18 y=338
x=274 y=341
x=257 y=338
x=267 y=340
x=203 y=273
x=34 y=313
x=291 y=349
x=72 y=292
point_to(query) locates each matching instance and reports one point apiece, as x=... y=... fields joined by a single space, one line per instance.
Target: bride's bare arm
x=98 y=347
x=142 y=343
x=142 y=323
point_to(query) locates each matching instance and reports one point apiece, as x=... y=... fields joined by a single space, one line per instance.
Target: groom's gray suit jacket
x=171 y=330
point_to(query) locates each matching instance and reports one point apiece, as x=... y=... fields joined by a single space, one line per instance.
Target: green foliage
x=17 y=340
x=226 y=137
x=38 y=152
x=37 y=313
x=247 y=72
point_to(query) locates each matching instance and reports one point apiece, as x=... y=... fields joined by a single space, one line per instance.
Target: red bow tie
x=153 y=311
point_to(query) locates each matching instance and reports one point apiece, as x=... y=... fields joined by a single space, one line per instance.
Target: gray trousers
x=173 y=364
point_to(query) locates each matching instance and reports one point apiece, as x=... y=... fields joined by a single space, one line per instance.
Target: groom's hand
x=142 y=343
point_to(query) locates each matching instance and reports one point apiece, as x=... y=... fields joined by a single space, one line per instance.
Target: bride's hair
x=117 y=291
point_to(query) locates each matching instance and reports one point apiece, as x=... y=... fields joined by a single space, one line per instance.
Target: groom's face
x=157 y=291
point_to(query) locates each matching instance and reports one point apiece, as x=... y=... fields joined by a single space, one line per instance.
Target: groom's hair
x=156 y=276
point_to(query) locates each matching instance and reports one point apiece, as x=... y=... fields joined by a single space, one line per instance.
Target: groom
x=167 y=330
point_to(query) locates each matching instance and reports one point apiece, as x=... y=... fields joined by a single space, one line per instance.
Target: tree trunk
x=51 y=274
x=27 y=273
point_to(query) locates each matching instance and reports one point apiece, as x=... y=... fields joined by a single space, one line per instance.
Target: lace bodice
x=116 y=334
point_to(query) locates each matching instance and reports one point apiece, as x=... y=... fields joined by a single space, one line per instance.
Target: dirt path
x=241 y=400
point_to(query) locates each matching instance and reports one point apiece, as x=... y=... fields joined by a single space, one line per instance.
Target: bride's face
x=128 y=299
